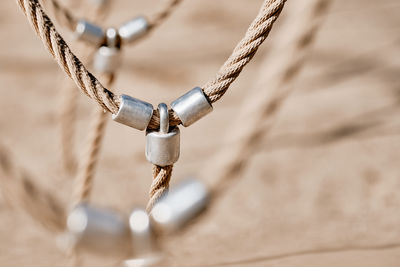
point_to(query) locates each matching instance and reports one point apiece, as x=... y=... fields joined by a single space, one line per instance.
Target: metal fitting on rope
x=99 y=230
x=144 y=244
x=162 y=148
x=107 y=58
x=133 y=29
x=182 y=204
x=192 y=106
x=89 y=32
x=134 y=113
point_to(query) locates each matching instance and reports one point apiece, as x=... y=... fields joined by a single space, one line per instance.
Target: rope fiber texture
x=67 y=19
x=262 y=109
x=242 y=54
x=89 y=85
x=214 y=89
x=69 y=106
x=84 y=180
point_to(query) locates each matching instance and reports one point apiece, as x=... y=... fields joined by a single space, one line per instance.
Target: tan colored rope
x=64 y=16
x=89 y=85
x=262 y=109
x=214 y=89
x=160 y=184
x=84 y=180
x=163 y=13
x=67 y=123
x=70 y=104
x=72 y=66
x=21 y=190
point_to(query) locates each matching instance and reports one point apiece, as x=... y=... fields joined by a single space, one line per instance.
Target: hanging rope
x=242 y=54
x=214 y=89
x=89 y=85
x=160 y=184
x=69 y=106
x=20 y=189
x=84 y=180
x=262 y=109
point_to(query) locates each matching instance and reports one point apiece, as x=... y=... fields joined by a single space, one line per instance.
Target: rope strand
x=262 y=109
x=20 y=189
x=89 y=85
x=84 y=180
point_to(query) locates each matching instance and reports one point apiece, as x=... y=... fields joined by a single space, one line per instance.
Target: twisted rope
x=89 y=85
x=20 y=189
x=84 y=180
x=63 y=15
x=160 y=184
x=263 y=108
x=214 y=89
x=72 y=66
x=70 y=104
x=163 y=13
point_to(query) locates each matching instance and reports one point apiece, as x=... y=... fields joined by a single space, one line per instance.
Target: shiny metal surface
x=90 y=33
x=134 y=113
x=133 y=29
x=100 y=231
x=182 y=204
x=107 y=59
x=192 y=106
x=112 y=37
x=163 y=147
x=143 y=240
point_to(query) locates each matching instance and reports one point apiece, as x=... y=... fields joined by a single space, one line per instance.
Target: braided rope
x=20 y=189
x=62 y=15
x=89 y=85
x=72 y=66
x=160 y=184
x=84 y=180
x=264 y=114
x=70 y=104
x=214 y=89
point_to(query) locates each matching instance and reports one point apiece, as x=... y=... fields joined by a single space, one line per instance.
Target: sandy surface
x=323 y=189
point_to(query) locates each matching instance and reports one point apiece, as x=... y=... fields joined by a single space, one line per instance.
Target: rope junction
x=214 y=89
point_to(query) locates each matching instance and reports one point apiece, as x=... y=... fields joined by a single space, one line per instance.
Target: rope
x=161 y=15
x=72 y=66
x=89 y=85
x=67 y=122
x=84 y=180
x=70 y=104
x=62 y=15
x=263 y=108
x=20 y=189
x=214 y=89
x=160 y=184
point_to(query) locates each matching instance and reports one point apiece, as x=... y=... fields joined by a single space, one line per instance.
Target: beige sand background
x=323 y=189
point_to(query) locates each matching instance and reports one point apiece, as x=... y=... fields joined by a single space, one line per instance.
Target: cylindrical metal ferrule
x=162 y=149
x=133 y=29
x=88 y=32
x=143 y=239
x=107 y=59
x=192 y=106
x=112 y=37
x=182 y=204
x=99 y=231
x=134 y=113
